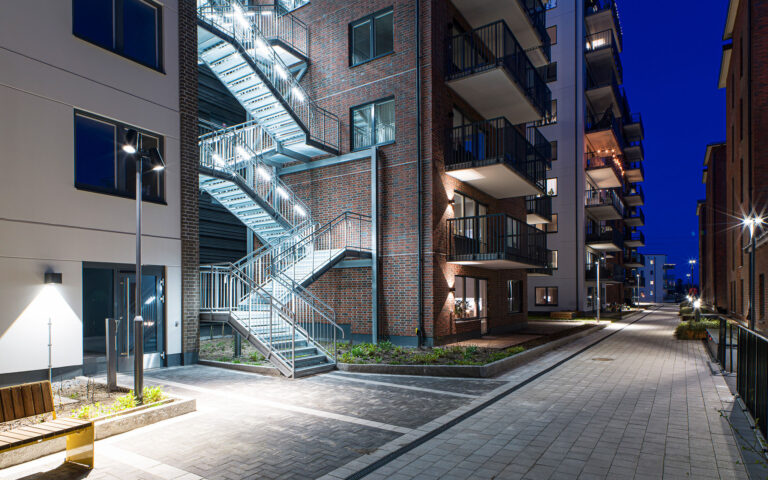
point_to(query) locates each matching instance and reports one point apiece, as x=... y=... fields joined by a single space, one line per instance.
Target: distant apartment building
x=75 y=76
x=713 y=228
x=596 y=177
x=652 y=274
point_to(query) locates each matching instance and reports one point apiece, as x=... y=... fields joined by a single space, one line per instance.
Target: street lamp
x=638 y=289
x=752 y=222
x=132 y=146
x=692 y=262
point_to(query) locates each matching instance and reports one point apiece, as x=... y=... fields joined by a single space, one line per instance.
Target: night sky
x=671 y=65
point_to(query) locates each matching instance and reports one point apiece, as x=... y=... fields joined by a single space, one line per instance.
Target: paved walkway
x=637 y=405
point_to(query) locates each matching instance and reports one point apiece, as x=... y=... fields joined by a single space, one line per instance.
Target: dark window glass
x=514 y=296
x=93 y=20
x=94 y=153
x=361 y=42
x=546 y=296
x=373 y=124
x=140 y=29
x=384 y=31
x=371 y=37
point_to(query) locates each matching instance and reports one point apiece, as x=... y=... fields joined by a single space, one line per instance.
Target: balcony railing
x=634 y=151
x=608 y=273
x=636 y=166
x=635 y=236
x=539 y=206
x=636 y=213
x=605 y=197
x=593 y=161
x=494 y=46
x=592 y=7
x=603 y=234
x=605 y=40
x=632 y=281
x=495 y=141
x=496 y=237
x=605 y=121
x=634 y=189
x=549 y=268
x=274 y=21
x=634 y=257
x=537 y=14
x=541 y=146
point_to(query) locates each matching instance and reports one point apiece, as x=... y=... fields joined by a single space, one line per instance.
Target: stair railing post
x=293 y=350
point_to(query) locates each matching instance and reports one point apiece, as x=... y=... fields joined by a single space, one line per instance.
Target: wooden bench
x=561 y=315
x=32 y=399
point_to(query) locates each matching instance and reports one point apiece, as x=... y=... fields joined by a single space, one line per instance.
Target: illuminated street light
x=751 y=222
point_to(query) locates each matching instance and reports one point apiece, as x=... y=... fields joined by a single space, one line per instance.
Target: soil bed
x=223 y=350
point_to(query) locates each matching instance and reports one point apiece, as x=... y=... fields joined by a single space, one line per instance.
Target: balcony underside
x=634 y=200
x=634 y=153
x=634 y=132
x=633 y=264
x=540 y=272
x=483 y=12
x=602 y=21
x=604 y=281
x=634 y=222
x=604 y=246
x=494 y=93
x=603 y=140
x=602 y=64
x=634 y=175
x=289 y=55
x=496 y=179
x=604 y=177
x=537 y=219
x=603 y=212
x=634 y=243
x=603 y=98
x=491 y=261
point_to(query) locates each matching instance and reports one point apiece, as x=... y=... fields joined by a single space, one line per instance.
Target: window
x=102 y=166
x=514 y=296
x=549 y=72
x=651 y=280
x=652 y=261
x=554 y=149
x=471 y=298
x=371 y=37
x=373 y=124
x=551 y=227
x=550 y=4
x=131 y=28
x=546 y=296
x=554 y=260
x=552 y=32
x=552 y=187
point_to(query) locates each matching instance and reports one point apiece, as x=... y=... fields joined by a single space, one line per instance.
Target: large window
x=546 y=296
x=131 y=28
x=102 y=166
x=371 y=37
x=471 y=298
x=373 y=124
x=465 y=206
x=514 y=296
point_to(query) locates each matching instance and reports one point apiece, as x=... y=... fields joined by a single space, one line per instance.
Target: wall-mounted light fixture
x=52 y=278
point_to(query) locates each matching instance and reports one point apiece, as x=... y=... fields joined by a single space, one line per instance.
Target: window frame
x=118 y=34
x=519 y=283
x=477 y=280
x=370 y=18
x=535 y=296
x=119 y=127
x=373 y=129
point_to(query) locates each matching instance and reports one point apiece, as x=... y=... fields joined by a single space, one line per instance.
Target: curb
x=468 y=371
x=243 y=367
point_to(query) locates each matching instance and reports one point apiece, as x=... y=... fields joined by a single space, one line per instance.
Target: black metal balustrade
x=636 y=166
x=635 y=236
x=603 y=234
x=606 y=40
x=634 y=257
x=542 y=148
x=549 y=268
x=605 y=121
x=495 y=141
x=634 y=189
x=539 y=206
x=608 y=272
x=593 y=161
x=634 y=282
x=537 y=14
x=495 y=237
x=603 y=197
x=636 y=213
x=592 y=7
x=634 y=151
x=494 y=46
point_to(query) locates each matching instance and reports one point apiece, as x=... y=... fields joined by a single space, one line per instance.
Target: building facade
x=76 y=76
x=596 y=181
x=652 y=274
x=713 y=232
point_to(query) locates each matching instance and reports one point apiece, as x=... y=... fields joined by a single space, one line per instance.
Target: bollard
x=111 y=339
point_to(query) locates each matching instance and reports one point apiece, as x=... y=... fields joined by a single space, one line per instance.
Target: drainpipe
x=374 y=246
x=420 y=334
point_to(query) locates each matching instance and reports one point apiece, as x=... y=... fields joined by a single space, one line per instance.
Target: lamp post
x=692 y=262
x=133 y=147
x=597 y=287
x=752 y=222
x=638 y=288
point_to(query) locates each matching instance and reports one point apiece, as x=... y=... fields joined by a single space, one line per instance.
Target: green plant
x=153 y=394
x=386 y=346
x=256 y=357
x=693 y=330
x=124 y=402
x=88 y=411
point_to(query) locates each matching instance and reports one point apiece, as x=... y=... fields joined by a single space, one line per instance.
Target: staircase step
x=313 y=370
x=300 y=352
x=309 y=361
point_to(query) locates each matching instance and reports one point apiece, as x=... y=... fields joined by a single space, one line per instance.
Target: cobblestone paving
x=639 y=405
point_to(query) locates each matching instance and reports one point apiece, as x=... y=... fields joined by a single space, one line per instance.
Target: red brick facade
x=712 y=231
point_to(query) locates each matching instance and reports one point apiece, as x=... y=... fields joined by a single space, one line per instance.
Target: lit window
x=470 y=298
x=546 y=296
x=371 y=37
x=514 y=296
x=373 y=124
x=652 y=262
x=552 y=187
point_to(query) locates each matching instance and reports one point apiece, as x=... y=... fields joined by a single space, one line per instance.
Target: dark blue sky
x=671 y=64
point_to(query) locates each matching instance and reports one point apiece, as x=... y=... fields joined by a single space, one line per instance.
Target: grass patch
x=388 y=354
x=124 y=402
x=692 y=330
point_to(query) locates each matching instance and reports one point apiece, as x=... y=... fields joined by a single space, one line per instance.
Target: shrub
x=153 y=394
x=88 y=411
x=694 y=330
x=125 y=402
x=256 y=357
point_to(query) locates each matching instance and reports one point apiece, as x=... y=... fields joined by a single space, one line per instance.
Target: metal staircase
x=231 y=41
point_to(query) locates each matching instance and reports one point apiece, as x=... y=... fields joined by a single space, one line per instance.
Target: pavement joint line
x=288 y=407
x=146 y=464
x=397 y=385
x=472 y=409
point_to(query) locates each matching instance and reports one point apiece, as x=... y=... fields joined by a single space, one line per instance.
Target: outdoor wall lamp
x=52 y=278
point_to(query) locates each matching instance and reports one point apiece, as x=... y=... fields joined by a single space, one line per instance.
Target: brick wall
x=190 y=246
x=713 y=218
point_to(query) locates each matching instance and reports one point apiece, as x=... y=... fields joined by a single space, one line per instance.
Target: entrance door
x=152 y=295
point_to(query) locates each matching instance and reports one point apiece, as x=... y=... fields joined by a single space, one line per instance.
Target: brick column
x=190 y=240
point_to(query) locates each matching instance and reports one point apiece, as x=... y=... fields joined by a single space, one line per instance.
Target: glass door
x=152 y=295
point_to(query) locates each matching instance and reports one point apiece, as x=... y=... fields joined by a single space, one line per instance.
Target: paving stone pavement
x=637 y=405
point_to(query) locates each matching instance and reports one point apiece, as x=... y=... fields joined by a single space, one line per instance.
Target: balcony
x=496 y=242
x=633 y=129
x=604 y=94
x=538 y=209
x=635 y=172
x=288 y=35
x=634 y=259
x=526 y=20
x=634 y=282
x=610 y=273
x=493 y=156
x=542 y=148
x=634 y=151
x=605 y=172
x=603 y=133
x=491 y=71
x=634 y=196
x=635 y=217
x=634 y=239
x=549 y=269
x=602 y=54
x=604 y=238
x=601 y=15
x=604 y=205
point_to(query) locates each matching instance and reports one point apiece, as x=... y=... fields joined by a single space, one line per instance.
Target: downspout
x=578 y=50
x=419 y=187
x=749 y=106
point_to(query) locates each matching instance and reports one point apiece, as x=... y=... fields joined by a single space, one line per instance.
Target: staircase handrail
x=231 y=19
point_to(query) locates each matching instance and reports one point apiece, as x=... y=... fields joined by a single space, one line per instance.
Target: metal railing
x=593 y=161
x=537 y=15
x=495 y=141
x=603 y=234
x=274 y=21
x=604 y=197
x=632 y=281
x=605 y=39
x=635 y=212
x=633 y=128
x=494 y=237
x=634 y=257
x=493 y=46
x=608 y=273
x=635 y=236
x=231 y=18
x=606 y=121
x=592 y=7
x=237 y=149
x=542 y=148
x=550 y=267
x=636 y=166
x=634 y=150
x=634 y=189
x=541 y=206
